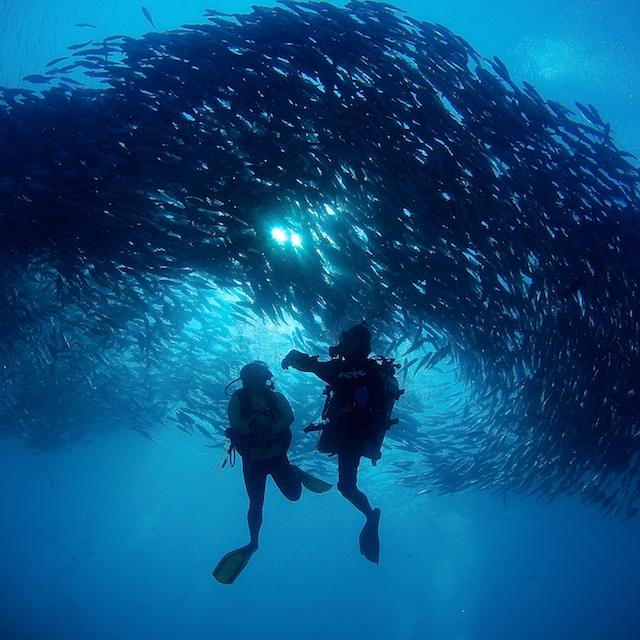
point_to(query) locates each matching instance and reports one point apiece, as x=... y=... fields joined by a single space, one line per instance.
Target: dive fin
x=232 y=564
x=370 y=540
x=312 y=483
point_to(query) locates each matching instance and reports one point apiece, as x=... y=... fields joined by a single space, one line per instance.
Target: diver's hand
x=233 y=437
x=294 y=358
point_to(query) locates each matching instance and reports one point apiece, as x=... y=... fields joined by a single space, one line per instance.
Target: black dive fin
x=232 y=564
x=312 y=483
x=370 y=540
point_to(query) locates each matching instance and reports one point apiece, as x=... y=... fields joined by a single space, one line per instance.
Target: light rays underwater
x=176 y=205
x=458 y=212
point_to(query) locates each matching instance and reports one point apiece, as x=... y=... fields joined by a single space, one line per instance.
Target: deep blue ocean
x=115 y=538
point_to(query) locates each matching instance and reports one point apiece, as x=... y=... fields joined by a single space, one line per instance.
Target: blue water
x=117 y=537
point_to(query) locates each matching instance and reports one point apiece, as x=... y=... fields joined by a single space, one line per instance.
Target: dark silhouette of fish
x=147 y=15
x=81 y=45
x=35 y=78
x=485 y=232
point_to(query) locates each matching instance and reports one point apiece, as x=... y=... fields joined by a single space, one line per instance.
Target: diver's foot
x=369 y=538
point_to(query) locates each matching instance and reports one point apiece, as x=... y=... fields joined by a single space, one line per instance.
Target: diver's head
x=353 y=344
x=255 y=374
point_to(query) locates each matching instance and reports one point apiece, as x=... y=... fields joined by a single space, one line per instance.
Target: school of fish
x=473 y=223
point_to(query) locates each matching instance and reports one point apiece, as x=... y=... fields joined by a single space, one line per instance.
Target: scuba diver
x=260 y=431
x=360 y=394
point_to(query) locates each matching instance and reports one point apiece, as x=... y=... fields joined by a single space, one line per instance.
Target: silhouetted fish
x=414 y=184
x=147 y=15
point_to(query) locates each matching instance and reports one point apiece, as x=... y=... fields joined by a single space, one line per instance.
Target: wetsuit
x=353 y=412
x=260 y=431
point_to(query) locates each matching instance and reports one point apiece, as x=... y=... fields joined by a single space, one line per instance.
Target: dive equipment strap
x=228 y=456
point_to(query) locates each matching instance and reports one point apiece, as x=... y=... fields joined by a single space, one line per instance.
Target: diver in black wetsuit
x=360 y=396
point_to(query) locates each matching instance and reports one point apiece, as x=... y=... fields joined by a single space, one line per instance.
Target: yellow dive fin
x=232 y=564
x=312 y=483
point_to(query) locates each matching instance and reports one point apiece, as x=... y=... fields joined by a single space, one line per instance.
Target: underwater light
x=282 y=236
x=279 y=235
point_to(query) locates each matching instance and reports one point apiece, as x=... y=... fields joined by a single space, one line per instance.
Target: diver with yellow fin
x=260 y=431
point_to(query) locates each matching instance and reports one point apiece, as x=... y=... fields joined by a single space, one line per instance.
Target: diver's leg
x=347 y=483
x=285 y=476
x=255 y=480
x=369 y=539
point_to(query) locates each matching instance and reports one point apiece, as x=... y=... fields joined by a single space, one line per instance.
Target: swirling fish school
x=426 y=191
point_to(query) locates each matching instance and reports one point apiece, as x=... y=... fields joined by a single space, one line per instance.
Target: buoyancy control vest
x=358 y=408
x=258 y=433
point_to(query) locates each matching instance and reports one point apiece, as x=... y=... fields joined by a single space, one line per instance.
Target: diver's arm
x=300 y=361
x=303 y=362
x=234 y=415
x=238 y=431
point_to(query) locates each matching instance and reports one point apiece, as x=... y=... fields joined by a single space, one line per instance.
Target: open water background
x=116 y=538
